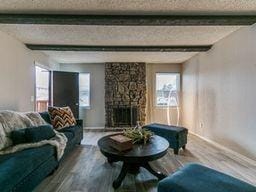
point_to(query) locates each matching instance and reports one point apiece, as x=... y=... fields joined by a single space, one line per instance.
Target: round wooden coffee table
x=137 y=157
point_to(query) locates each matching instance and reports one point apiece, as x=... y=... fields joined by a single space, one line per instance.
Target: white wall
x=95 y=116
x=219 y=92
x=159 y=114
x=17 y=74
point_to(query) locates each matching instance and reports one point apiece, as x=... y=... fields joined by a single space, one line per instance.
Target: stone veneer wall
x=125 y=85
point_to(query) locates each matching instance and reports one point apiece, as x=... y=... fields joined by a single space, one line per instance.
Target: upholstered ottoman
x=177 y=136
x=198 y=178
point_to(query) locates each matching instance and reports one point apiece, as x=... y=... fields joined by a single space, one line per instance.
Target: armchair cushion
x=198 y=178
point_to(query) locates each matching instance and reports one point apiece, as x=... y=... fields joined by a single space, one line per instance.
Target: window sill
x=85 y=107
x=165 y=107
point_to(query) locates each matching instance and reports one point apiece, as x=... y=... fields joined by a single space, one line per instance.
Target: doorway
x=65 y=89
x=42 y=98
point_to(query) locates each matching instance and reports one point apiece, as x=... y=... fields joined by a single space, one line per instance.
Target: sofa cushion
x=69 y=135
x=71 y=129
x=61 y=117
x=198 y=178
x=14 y=167
x=75 y=130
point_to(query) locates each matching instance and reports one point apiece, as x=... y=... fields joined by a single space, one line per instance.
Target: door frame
x=37 y=64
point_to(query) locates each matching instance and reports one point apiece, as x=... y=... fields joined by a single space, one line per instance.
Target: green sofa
x=24 y=170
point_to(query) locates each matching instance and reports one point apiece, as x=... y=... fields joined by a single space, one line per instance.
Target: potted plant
x=137 y=134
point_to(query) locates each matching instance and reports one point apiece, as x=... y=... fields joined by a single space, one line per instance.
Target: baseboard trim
x=247 y=159
x=94 y=127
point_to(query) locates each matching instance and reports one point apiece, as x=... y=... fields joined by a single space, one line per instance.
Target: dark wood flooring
x=86 y=169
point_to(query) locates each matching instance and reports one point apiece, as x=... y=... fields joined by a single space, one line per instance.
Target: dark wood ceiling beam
x=129 y=20
x=190 y=48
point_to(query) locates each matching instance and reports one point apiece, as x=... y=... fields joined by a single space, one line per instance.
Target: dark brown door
x=66 y=90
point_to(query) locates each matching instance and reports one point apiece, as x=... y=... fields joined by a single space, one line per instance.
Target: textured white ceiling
x=130 y=6
x=122 y=35
x=101 y=57
x=118 y=35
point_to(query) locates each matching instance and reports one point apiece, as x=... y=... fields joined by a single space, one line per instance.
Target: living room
x=127 y=95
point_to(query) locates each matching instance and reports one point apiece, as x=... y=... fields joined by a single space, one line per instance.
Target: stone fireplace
x=125 y=94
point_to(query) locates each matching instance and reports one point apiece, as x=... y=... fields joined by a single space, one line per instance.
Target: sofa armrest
x=79 y=122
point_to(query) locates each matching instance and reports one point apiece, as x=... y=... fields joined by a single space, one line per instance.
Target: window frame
x=83 y=106
x=178 y=89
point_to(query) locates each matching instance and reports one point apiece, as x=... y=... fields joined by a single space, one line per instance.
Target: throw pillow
x=10 y=121
x=32 y=134
x=61 y=117
x=36 y=134
x=18 y=136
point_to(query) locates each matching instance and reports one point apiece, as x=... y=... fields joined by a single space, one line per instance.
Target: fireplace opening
x=125 y=116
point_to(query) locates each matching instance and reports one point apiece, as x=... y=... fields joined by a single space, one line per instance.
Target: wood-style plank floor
x=86 y=169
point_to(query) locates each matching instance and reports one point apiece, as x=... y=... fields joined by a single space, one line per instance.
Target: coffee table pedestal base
x=134 y=168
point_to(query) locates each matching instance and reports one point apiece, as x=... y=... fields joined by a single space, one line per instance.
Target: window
x=42 y=88
x=84 y=89
x=167 y=87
